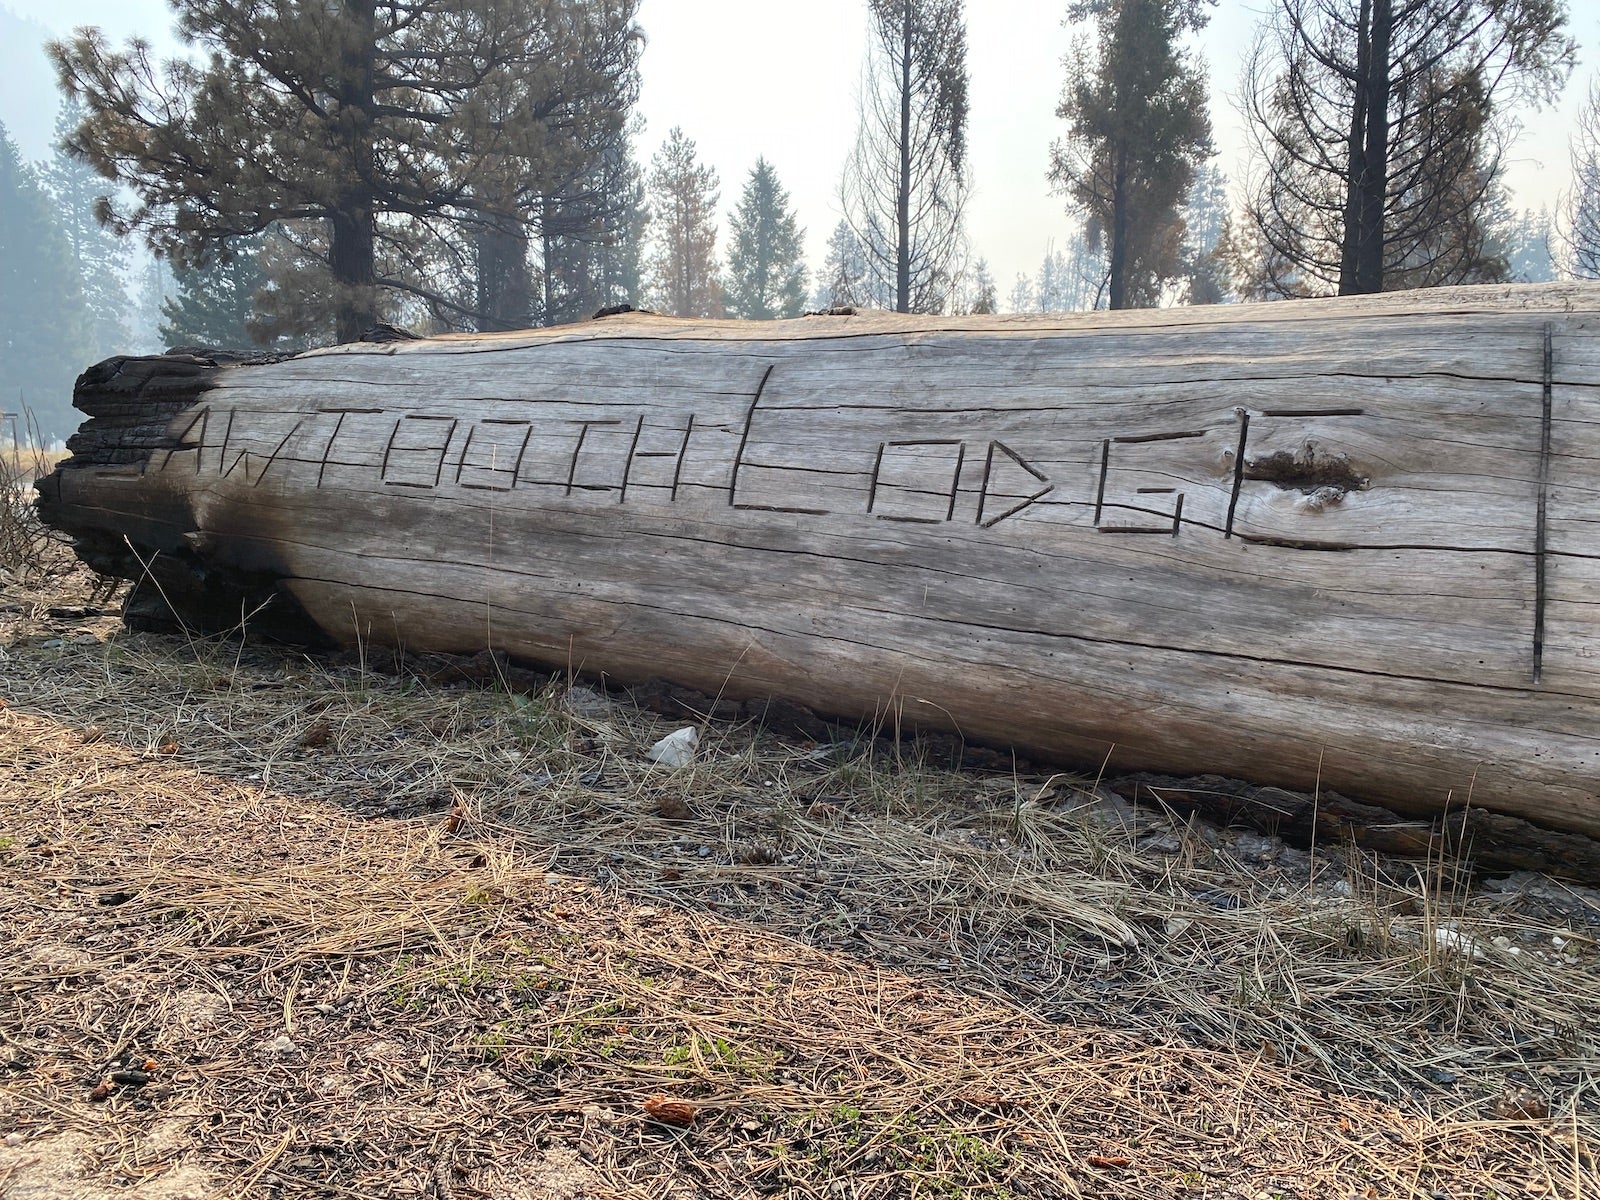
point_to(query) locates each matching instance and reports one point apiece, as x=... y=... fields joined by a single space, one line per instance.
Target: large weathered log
x=1341 y=543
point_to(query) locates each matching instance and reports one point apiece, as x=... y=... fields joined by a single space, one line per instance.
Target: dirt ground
x=284 y=926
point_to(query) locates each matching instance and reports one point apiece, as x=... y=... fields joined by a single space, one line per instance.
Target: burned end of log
x=132 y=404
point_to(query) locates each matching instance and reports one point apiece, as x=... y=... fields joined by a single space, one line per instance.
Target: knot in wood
x=1323 y=481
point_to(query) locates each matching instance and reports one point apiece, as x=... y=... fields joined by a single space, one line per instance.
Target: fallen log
x=1346 y=544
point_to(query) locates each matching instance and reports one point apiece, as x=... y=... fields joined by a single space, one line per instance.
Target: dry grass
x=23 y=540
x=28 y=462
x=386 y=938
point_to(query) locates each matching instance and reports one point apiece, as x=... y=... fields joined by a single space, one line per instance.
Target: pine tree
x=1137 y=131
x=45 y=332
x=1581 y=214
x=215 y=303
x=403 y=128
x=846 y=279
x=101 y=256
x=1088 y=272
x=1528 y=246
x=593 y=240
x=683 y=203
x=906 y=183
x=1051 y=292
x=1024 y=298
x=1205 y=220
x=985 y=298
x=155 y=287
x=766 y=268
x=1376 y=135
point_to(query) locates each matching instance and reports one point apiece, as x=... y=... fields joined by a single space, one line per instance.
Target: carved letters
x=1135 y=484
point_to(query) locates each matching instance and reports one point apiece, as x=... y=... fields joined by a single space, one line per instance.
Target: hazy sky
x=780 y=77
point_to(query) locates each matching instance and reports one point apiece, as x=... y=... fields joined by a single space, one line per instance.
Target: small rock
x=1450 y=939
x=676 y=749
x=282 y=1044
x=585 y=702
x=51 y=644
x=14 y=1139
x=674 y=808
x=1257 y=847
x=1162 y=843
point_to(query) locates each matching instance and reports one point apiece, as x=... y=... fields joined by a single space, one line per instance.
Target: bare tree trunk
x=1355 y=152
x=351 y=228
x=1362 y=263
x=1118 y=264
x=505 y=293
x=902 y=212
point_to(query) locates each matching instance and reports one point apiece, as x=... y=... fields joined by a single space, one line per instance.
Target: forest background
x=780 y=84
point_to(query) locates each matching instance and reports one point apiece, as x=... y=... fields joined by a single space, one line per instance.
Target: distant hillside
x=28 y=97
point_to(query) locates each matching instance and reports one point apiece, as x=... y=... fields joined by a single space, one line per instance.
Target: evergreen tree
x=1527 y=244
x=847 y=279
x=1581 y=215
x=683 y=204
x=101 y=256
x=1137 y=131
x=46 y=337
x=1376 y=139
x=155 y=287
x=593 y=240
x=1024 y=298
x=1205 y=220
x=985 y=297
x=1052 y=293
x=766 y=268
x=215 y=303
x=906 y=183
x=404 y=128
x=1088 y=272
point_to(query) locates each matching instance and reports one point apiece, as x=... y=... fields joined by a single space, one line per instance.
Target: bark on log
x=1350 y=543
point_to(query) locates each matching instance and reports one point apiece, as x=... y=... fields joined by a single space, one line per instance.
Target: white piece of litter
x=676 y=749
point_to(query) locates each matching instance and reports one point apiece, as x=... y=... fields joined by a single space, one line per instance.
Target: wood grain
x=1342 y=543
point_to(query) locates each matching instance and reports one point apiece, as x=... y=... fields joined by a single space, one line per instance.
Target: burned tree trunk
x=1347 y=544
